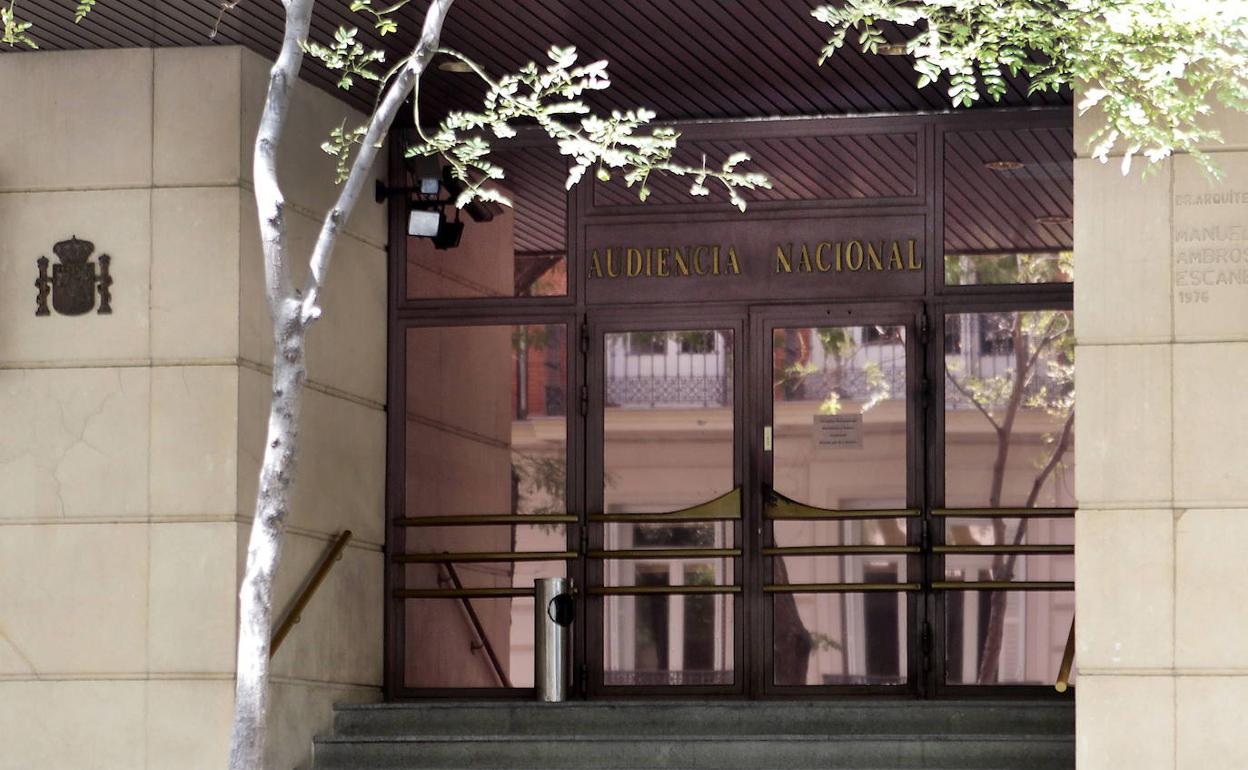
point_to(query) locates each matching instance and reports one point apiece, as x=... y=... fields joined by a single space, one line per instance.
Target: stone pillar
x=131 y=441
x=1161 y=315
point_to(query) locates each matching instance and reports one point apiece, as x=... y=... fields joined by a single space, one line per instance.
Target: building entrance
x=810 y=451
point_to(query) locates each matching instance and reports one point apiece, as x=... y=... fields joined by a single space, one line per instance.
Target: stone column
x=129 y=455
x=1161 y=315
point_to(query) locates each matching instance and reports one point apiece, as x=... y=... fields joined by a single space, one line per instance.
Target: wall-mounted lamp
x=426 y=217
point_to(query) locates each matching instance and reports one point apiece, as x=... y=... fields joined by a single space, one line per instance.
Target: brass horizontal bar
x=462 y=593
x=836 y=588
x=1005 y=513
x=786 y=513
x=517 y=519
x=661 y=590
x=1050 y=550
x=726 y=507
x=1004 y=585
x=822 y=550
x=476 y=557
x=667 y=553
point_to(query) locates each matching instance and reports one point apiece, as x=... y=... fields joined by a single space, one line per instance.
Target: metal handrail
x=1068 y=660
x=478 y=628
x=294 y=614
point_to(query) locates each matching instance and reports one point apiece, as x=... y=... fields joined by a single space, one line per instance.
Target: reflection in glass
x=839 y=415
x=1009 y=201
x=486 y=435
x=1033 y=636
x=668 y=445
x=842 y=638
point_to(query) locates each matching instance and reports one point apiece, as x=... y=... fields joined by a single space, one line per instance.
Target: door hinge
x=584 y=400
x=584 y=337
x=925 y=392
x=925 y=536
x=924 y=327
x=584 y=540
x=582 y=683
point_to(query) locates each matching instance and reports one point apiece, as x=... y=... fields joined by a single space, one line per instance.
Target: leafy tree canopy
x=1155 y=68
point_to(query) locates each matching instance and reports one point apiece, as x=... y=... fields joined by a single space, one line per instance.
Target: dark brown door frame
x=573 y=310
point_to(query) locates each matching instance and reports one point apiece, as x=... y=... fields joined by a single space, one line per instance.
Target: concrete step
x=695 y=752
x=817 y=718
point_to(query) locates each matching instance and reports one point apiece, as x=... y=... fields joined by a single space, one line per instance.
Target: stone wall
x=1161 y=314
x=131 y=445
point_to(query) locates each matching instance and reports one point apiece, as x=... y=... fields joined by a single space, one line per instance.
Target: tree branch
x=397 y=91
x=961 y=388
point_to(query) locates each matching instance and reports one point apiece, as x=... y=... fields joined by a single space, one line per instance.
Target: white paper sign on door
x=838 y=431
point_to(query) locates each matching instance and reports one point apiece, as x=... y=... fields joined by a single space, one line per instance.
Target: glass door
x=840 y=561
x=663 y=540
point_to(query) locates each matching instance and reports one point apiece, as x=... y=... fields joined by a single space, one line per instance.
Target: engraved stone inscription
x=1210 y=245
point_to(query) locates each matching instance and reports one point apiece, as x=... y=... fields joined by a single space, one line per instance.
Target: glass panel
x=1009 y=410
x=520 y=252
x=800 y=168
x=1009 y=199
x=667 y=419
x=850 y=532
x=679 y=639
x=486 y=435
x=1003 y=530
x=839 y=415
x=450 y=653
x=1006 y=637
x=839 y=639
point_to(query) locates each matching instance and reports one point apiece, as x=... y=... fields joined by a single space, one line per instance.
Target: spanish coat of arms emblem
x=74 y=282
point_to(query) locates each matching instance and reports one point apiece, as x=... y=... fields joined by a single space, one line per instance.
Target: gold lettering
x=612 y=270
x=648 y=254
x=715 y=255
x=913 y=264
x=595 y=264
x=682 y=267
x=873 y=257
x=805 y=263
x=696 y=257
x=850 y=262
x=660 y=268
x=784 y=261
x=819 y=256
x=633 y=262
x=732 y=261
x=894 y=259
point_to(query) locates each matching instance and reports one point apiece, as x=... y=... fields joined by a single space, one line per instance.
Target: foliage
x=13 y=30
x=1153 y=67
x=544 y=96
x=1009 y=268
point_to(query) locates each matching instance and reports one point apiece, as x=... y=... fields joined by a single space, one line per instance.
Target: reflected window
x=486 y=436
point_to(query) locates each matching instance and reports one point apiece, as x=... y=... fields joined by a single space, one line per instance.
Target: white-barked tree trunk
x=292 y=311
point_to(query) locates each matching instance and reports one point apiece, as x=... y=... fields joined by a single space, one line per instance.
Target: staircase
x=718 y=735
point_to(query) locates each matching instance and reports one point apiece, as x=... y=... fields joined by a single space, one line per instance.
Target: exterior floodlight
x=423 y=222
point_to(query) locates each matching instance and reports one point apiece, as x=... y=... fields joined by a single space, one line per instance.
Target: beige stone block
x=53 y=120
x=306 y=171
x=194 y=440
x=1210 y=722
x=1124 y=722
x=74 y=443
x=339 y=636
x=188 y=724
x=71 y=725
x=1210 y=420
x=1210 y=250
x=1122 y=430
x=75 y=597
x=195 y=273
x=1124 y=568
x=1211 y=596
x=117 y=223
x=298 y=712
x=1122 y=254
x=340 y=477
x=347 y=346
x=193 y=590
x=197 y=112
x=1232 y=125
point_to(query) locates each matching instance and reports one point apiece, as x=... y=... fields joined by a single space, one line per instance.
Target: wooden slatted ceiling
x=684 y=58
